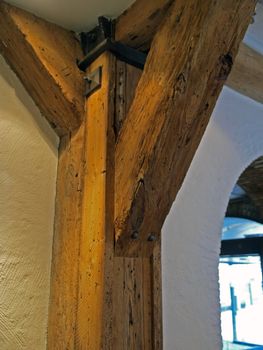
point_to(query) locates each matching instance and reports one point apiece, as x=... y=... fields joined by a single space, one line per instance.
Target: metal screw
x=135 y=235
x=152 y=237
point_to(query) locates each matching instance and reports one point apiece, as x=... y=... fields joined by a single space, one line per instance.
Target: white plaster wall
x=28 y=159
x=192 y=231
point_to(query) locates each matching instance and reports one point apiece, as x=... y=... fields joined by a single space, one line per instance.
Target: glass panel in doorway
x=241 y=300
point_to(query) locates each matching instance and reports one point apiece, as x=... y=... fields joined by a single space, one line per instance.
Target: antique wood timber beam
x=247 y=74
x=188 y=63
x=98 y=300
x=138 y=25
x=43 y=56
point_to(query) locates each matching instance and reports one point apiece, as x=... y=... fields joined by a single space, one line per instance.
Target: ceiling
x=77 y=15
x=81 y=15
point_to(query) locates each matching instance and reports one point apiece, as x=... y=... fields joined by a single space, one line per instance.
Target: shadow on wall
x=28 y=104
x=28 y=161
x=192 y=231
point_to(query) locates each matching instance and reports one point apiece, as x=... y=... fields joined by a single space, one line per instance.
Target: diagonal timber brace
x=43 y=55
x=123 y=157
x=188 y=63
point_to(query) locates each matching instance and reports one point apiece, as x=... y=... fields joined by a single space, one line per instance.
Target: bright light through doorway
x=241 y=302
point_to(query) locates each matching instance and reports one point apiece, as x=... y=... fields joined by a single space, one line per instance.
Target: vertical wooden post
x=137 y=313
x=93 y=326
x=99 y=301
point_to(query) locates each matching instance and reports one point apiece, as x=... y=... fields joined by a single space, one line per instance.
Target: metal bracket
x=101 y=39
x=93 y=81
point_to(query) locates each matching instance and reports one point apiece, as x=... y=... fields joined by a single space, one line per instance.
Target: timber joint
x=101 y=39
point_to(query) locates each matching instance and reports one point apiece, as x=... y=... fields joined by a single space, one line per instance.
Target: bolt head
x=135 y=235
x=152 y=237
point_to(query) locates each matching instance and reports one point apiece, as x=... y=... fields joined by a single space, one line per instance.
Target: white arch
x=192 y=231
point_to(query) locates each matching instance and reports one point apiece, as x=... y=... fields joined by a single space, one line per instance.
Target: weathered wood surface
x=132 y=303
x=188 y=63
x=157 y=296
x=99 y=301
x=127 y=78
x=246 y=76
x=94 y=312
x=137 y=307
x=137 y=26
x=66 y=243
x=43 y=56
x=79 y=314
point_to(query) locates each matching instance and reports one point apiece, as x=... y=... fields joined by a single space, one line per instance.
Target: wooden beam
x=83 y=241
x=138 y=25
x=247 y=74
x=137 y=305
x=66 y=243
x=99 y=301
x=189 y=61
x=43 y=56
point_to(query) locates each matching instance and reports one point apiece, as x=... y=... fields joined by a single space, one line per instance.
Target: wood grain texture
x=171 y=110
x=66 y=243
x=80 y=302
x=246 y=76
x=137 y=26
x=157 y=297
x=127 y=78
x=137 y=307
x=99 y=301
x=94 y=311
x=43 y=56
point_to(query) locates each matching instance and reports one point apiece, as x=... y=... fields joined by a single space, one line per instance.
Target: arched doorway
x=192 y=232
x=241 y=263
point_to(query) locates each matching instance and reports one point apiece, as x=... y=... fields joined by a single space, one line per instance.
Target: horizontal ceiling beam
x=189 y=61
x=43 y=56
x=246 y=76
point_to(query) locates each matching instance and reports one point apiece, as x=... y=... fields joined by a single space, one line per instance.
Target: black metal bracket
x=93 y=81
x=101 y=39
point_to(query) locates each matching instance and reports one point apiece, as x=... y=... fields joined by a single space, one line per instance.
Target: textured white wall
x=192 y=232
x=28 y=158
